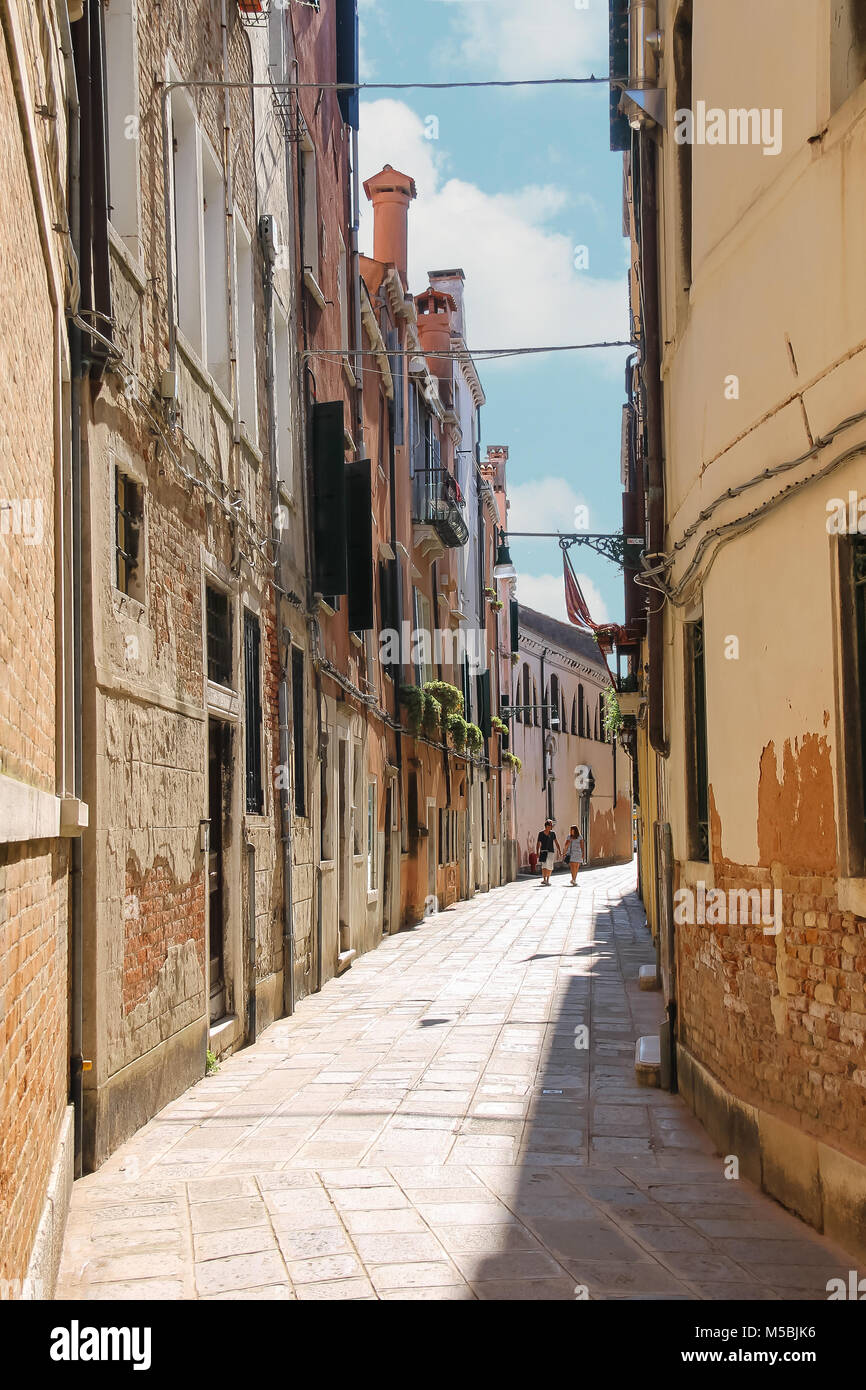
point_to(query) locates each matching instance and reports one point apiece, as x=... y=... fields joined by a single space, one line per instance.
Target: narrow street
x=426 y=1128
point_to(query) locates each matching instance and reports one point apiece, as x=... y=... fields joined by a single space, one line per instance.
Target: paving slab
x=435 y=1124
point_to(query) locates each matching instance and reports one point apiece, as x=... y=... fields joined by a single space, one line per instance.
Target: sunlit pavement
x=431 y=1126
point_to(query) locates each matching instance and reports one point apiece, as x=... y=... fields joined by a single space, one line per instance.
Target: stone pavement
x=429 y=1126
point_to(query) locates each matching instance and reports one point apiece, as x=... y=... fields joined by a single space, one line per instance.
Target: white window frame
x=123 y=117
x=246 y=334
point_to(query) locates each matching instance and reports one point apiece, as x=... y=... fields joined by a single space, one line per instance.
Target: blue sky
x=515 y=181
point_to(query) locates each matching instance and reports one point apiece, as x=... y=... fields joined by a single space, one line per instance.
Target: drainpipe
x=655 y=444
x=294 y=180
x=356 y=276
x=251 y=940
x=267 y=240
x=76 y=962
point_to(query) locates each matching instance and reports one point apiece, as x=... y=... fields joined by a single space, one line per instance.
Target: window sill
x=128 y=259
x=372 y=896
x=314 y=288
x=127 y=606
x=852 y=895
x=348 y=371
x=221 y=700
x=203 y=376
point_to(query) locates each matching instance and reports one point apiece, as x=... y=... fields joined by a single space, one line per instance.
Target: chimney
x=436 y=312
x=391 y=192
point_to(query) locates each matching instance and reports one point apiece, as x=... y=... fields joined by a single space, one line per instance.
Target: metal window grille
x=127 y=529
x=219 y=636
x=253 y=715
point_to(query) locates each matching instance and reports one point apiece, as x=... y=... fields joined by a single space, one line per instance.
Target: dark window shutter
x=329 y=498
x=505 y=739
x=483 y=679
x=359 y=527
x=514 y=615
x=253 y=715
x=347 y=58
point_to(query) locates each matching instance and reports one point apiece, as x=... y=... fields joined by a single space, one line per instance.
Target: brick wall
x=33 y=1057
x=781 y=1019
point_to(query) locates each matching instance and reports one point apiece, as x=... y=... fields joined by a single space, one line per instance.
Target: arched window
x=553 y=703
x=535 y=718
x=563 y=723
x=601 y=730
x=574 y=715
x=580 y=712
x=595 y=726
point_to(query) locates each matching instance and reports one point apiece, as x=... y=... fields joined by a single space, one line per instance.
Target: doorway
x=218 y=801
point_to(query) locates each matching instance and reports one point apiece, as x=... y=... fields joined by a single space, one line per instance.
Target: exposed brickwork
x=33 y=1058
x=780 y=1018
x=160 y=913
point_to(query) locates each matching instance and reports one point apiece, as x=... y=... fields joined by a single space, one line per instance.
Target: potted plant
x=474 y=738
x=511 y=760
x=458 y=729
x=413 y=697
x=498 y=725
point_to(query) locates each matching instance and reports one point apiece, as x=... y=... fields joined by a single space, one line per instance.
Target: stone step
x=647 y=977
x=647 y=1060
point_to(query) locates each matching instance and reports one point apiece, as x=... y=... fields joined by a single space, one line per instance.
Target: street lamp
x=504 y=567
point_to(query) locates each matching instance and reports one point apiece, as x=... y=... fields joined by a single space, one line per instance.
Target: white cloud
x=546 y=594
x=521 y=285
x=514 y=39
x=545 y=504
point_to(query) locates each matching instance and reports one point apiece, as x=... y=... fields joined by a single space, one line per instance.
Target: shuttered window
x=253 y=715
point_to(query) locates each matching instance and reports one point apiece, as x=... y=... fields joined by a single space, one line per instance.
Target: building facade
x=41 y=809
x=573 y=770
x=745 y=441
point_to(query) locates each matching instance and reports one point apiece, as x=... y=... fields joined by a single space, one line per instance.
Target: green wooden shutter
x=329 y=498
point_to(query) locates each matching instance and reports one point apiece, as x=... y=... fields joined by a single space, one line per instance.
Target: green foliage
x=449 y=697
x=458 y=729
x=498 y=725
x=413 y=697
x=612 y=714
x=212 y=1063
x=474 y=738
x=497 y=605
x=512 y=760
x=431 y=718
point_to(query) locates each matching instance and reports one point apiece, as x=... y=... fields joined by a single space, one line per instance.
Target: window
x=422 y=640
x=298 y=730
x=343 y=300
x=310 y=212
x=219 y=636
x=683 y=86
x=129 y=513
x=372 y=839
x=253 y=715
x=246 y=381
x=698 y=777
x=851 y=774
x=847 y=49
x=215 y=269
x=121 y=66
x=326 y=824
x=580 y=711
x=554 y=702
x=283 y=400
x=187 y=249
x=595 y=728
x=535 y=716
x=357 y=809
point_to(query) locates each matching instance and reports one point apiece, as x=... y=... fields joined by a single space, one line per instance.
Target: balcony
x=438 y=511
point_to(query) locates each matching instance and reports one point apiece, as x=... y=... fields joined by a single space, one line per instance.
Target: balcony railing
x=436 y=502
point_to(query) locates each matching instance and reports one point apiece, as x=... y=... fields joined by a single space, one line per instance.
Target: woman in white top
x=574 y=853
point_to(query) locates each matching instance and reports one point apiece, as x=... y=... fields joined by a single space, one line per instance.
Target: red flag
x=575 y=603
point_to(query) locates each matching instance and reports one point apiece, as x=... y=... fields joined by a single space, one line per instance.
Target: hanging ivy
x=612 y=714
x=431 y=718
x=512 y=760
x=474 y=738
x=413 y=697
x=449 y=697
x=498 y=725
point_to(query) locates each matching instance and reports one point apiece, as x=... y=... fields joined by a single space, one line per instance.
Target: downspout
x=231 y=242
x=294 y=181
x=655 y=446
x=269 y=252
x=76 y=964
x=356 y=277
x=251 y=940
